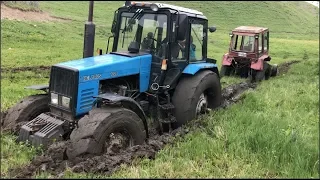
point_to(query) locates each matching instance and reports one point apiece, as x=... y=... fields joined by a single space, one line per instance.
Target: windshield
x=243 y=43
x=149 y=30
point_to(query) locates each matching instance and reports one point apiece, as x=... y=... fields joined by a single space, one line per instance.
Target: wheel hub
x=202 y=104
x=118 y=141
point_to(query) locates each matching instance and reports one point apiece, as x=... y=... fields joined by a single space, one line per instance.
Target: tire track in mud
x=26 y=68
x=54 y=161
x=40 y=72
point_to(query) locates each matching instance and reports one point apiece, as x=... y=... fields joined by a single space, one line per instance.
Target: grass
x=13 y=154
x=272 y=133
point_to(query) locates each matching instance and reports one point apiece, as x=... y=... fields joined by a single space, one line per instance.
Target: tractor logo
x=91 y=77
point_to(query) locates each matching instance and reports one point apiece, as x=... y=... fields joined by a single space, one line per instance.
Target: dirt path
x=16 y=14
x=54 y=161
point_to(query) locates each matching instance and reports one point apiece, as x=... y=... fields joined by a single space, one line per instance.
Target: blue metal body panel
x=108 y=66
x=194 y=68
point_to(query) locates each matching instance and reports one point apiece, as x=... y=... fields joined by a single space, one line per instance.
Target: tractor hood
x=109 y=66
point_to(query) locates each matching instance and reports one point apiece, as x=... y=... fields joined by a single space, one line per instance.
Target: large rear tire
x=96 y=131
x=24 y=111
x=202 y=89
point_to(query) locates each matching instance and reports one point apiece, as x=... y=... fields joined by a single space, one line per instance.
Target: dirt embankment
x=17 y=14
x=54 y=161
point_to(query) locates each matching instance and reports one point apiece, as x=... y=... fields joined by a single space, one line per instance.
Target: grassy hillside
x=272 y=133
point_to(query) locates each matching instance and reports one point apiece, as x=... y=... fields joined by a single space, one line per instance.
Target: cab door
x=197 y=41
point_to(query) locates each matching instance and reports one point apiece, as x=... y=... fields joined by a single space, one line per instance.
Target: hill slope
x=258 y=131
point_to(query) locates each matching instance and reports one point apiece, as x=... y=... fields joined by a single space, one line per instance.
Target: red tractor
x=248 y=54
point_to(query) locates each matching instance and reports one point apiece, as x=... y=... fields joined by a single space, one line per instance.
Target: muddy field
x=54 y=161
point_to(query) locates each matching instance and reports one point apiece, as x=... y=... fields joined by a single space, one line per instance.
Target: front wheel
x=24 y=111
x=226 y=70
x=106 y=130
x=194 y=94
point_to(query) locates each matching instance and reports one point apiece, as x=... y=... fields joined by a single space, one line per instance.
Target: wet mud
x=55 y=162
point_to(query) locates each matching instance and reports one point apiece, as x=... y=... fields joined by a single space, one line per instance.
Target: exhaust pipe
x=89 y=33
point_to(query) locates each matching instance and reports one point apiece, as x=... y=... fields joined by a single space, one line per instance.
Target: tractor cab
x=249 y=42
x=173 y=35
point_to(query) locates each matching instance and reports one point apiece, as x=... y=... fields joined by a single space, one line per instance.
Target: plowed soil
x=54 y=161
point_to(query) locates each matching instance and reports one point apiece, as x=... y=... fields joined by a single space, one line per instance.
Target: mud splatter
x=54 y=160
x=3 y=115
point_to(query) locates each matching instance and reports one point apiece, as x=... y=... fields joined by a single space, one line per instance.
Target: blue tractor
x=157 y=73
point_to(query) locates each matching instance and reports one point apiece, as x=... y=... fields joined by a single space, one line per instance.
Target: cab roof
x=249 y=29
x=173 y=8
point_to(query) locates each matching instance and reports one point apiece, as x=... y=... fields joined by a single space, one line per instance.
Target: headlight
x=54 y=98
x=154 y=7
x=65 y=102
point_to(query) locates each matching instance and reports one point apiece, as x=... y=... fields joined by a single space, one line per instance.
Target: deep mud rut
x=54 y=162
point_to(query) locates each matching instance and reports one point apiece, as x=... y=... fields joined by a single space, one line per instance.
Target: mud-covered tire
x=274 y=70
x=94 y=128
x=188 y=91
x=225 y=70
x=24 y=111
x=264 y=74
x=267 y=74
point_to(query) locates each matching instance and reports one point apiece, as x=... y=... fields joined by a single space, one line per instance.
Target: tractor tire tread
x=88 y=137
x=189 y=89
x=24 y=111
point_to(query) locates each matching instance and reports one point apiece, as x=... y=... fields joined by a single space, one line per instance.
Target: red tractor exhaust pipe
x=89 y=33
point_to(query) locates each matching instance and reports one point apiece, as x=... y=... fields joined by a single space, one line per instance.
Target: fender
x=126 y=102
x=258 y=65
x=192 y=69
x=226 y=60
x=44 y=88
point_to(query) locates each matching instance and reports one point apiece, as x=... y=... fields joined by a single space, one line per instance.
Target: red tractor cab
x=248 y=54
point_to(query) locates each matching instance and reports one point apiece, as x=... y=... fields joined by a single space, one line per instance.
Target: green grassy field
x=273 y=132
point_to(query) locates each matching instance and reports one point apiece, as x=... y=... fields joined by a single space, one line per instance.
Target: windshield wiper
x=137 y=15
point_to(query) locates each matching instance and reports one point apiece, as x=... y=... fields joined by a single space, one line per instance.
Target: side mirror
x=230 y=34
x=212 y=29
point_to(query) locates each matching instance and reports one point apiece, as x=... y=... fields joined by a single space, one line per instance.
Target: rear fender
x=192 y=69
x=44 y=88
x=258 y=65
x=126 y=102
x=226 y=60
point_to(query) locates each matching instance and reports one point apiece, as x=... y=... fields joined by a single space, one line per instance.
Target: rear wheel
x=274 y=70
x=106 y=130
x=194 y=94
x=24 y=111
x=260 y=75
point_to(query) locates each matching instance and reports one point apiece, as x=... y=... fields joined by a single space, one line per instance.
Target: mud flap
x=42 y=130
